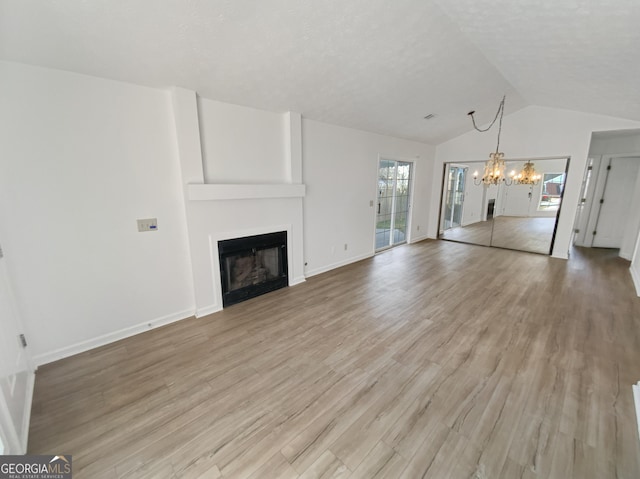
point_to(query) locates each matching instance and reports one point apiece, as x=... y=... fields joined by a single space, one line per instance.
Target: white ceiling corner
x=581 y=55
x=369 y=64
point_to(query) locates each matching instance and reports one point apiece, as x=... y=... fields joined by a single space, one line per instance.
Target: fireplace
x=252 y=266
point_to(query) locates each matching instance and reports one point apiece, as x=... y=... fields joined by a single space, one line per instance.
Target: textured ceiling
x=370 y=64
x=576 y=54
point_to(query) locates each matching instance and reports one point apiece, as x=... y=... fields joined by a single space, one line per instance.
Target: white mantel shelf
x=209 y=192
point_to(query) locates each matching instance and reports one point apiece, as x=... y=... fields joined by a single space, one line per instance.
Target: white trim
x=298 y=280
x=636 y=280
x=207 y=192
x=207 y=310
x=419 y=238
x=26 y=420
x=110 y=338
x=4 y=449
x=324 y=269
x=636 y=401
x=12 y=443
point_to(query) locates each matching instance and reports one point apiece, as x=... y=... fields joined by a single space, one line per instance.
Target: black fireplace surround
x=252 y=266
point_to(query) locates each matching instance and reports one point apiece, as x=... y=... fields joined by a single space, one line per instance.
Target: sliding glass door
x=454 y=200
x=392 y=221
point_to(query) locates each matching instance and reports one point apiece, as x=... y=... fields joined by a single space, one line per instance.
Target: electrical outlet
x=371 y=203
x=346 y=246
x=418 y=228
x=149 y=224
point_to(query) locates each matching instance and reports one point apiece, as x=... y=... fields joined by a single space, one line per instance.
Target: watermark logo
x=35 y=467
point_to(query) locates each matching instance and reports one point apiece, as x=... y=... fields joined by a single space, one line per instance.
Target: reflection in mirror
x=510 y=215
x=464 y=217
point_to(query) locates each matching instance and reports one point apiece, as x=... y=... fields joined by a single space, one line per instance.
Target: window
x=551 y=191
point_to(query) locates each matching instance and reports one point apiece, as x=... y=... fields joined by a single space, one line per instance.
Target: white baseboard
x=109 y=338
x=419 y=238
x=207 y=310
x=324 y=269
x=636 y=280
x=298 y=280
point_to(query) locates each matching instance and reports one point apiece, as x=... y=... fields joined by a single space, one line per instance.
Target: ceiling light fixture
x=494 y=167
x=528 y=175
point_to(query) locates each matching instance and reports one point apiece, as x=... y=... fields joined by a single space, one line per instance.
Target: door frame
x=9 y=436
x=15 y=436
x=597 y=187
x=445 y=184
x=409 y=207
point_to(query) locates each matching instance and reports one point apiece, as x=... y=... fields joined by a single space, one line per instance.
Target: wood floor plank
x=327 y=466
x=434 y=359
x=363 y=435
x=381 y=463
x=307 y=446
x=277 y=468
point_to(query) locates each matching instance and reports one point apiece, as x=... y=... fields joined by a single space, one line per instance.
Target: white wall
x=340 y=169
x=625 y=142
x=533 y=132
x=240 y=144
x=81 y=159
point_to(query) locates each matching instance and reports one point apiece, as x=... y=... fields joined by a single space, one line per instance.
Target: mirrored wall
x=509 y=215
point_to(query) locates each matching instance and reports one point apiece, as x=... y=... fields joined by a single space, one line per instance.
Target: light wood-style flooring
x=433 y=360
x=531 y=234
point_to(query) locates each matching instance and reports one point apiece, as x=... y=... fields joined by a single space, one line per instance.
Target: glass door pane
x=392 y=215
x=386 y=177
x=454 y=197
x=401 y=204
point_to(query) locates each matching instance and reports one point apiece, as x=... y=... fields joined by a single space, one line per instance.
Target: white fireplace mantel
x=206 y=192
x=257 y=204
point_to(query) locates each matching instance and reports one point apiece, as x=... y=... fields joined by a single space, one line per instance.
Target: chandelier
x=528 y=175
x=495 y=166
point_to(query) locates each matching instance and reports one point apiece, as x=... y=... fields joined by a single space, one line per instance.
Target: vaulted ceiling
x=376 y=65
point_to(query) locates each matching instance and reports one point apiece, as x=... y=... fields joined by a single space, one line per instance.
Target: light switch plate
x=149 y=224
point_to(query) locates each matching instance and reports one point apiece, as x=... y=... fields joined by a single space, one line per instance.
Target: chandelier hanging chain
x=499 y=113
x=501 y=109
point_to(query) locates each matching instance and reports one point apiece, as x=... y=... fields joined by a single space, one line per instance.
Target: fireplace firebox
x=252 y=266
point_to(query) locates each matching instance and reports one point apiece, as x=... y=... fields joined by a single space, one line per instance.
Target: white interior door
x=517 y=200
x=16 y=373
x=615 y=207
